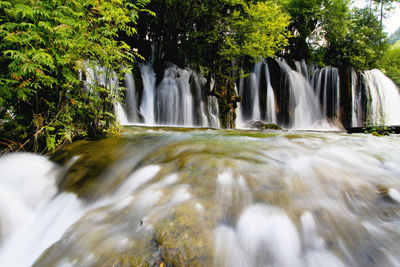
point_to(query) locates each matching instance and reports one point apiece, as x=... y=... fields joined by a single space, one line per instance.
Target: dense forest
x=45 y=103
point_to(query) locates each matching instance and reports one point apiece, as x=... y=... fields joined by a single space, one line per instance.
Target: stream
x=169 y=196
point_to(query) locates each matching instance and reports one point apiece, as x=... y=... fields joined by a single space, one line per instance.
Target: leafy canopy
x=217 y=37
x=391 y=63
x=42 y=101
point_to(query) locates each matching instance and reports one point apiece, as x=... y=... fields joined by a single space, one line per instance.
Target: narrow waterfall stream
x=198 y=197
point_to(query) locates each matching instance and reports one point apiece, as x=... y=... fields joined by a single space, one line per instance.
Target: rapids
x=201 y=197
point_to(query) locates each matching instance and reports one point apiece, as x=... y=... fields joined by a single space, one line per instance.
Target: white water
x=356 y=107
x=314 y=98
x=132 y=107
x=254 y=85
x=148 y=97
x=383 y=99
x=326 y=85
x=179 y=99
x=120 y=114
x=304 y=105
x=270 y=105
x=296 y=199
x=33 y=216
x=305 y=86
x=174 y=102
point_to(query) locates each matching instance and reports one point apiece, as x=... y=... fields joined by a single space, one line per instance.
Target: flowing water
x=201 y=197
x=383 y=99
x=299 y=97
x=179 y=99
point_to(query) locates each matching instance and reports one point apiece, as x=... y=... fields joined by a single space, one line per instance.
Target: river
x=161 y=196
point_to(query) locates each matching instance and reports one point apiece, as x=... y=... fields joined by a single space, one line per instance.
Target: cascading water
x=326 y=85
x=178 y=100
x=306 y=97
x=270 y=116
x=100 y=76
x=148 y=98
x=303 y=104
x=258 y=98
x=356 y=105
x=252 y=97
x=173 y=197
x=383 y=96
x=174 y=102
x=131 y=100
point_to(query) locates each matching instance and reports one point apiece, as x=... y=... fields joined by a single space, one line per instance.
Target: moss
x=183 y=240
x=88 y=160
x=379 y=130
x=264 y=126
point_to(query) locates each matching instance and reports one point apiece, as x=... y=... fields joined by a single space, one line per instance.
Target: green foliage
x=306 y=16
x=210 y=35
x=42 y=102
x=360 y=43
x=379 y=130
x=390 y=63
x=328 y=32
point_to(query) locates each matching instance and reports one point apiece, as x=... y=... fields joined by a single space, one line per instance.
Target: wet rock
x=183 y=239
x=263 y=126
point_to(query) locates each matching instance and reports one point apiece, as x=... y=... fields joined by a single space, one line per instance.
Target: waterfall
x=258 y=98
x=307 y=96
x=254 y=85
x=179 y=99
x=326 y=84
x=302 y=97
x=168 y=100
x=131 y=102
x=383 y=106
x=239 y=116
x=270 y=105
x=174 y=102
x=303 y=103
x=98 y=75
x=120 y=114
x=148 y=97
x=356 y=118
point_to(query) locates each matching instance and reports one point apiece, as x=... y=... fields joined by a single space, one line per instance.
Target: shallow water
x=202 y=197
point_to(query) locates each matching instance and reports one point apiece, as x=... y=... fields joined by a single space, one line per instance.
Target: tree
x=212 y=36
x=383 y=6
x=391 y=63
x=358 y=42
x=306 y=16
x=44 y=43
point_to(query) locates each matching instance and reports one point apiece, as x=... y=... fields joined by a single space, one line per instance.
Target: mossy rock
x=184 y=240
x=263 y=126
x=84 y=162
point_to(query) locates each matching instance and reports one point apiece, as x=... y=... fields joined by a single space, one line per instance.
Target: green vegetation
x=42 y=102
x=216 y=37
x=329 y=32
x=379 y=130
x=391 y=63
x=46 y=45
